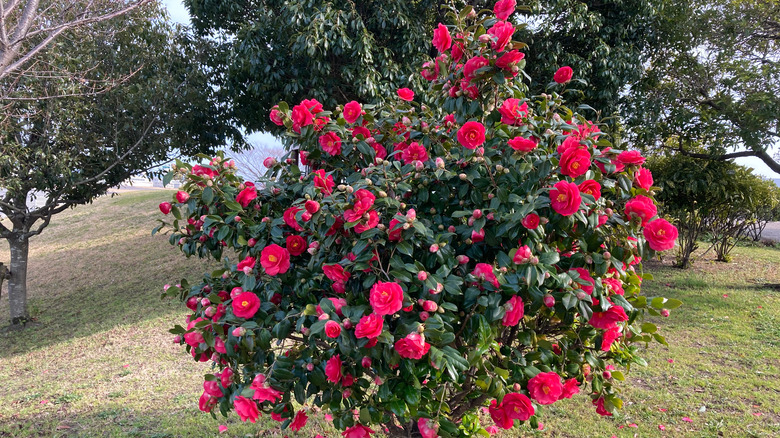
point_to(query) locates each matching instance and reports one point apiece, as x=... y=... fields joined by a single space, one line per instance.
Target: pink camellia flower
x=523 y=255
x=660 y=235
x=247 y=195
x=545 y=388
x=613 y=286
x=311 y=206
x=514 y=311
x=275 y=259
x=430 y=70
x=509 y=60
x=246 y=305
x=609 y=337
x=222 y=428
x=226 y=377
x=405 y=94
x=386 y=298
x=609 y=319
x=246 y=265
x=212 y=388
x=591 y=187
x=269 y=162
x=575 y=162
x=484 y=272
x=571 y=142
x=565 y=198
x=276 y=116
x=324 y=183
x=643 y=178
x=471 y=135
x=290 y=220
x=570 y=388
x=502 y=31
x=263 y=391
x=504 y=8
x=563 y=75
x=299 y=421
x=522 y=144
x=472 y=65
x=165 y=207
x=478 y=236
x=631 y=157
x=531 y=221
x=182 y=196
x=331 y=143
x=352 y=112
x=333 y=369
x=513 y=112
x=428 y=428
x=413 y=346
x=414 y=152
x=246 y=409
x=296 y=245
x=599 y=404
x=357 y=431
x=641 y=207
x=441 y=38
x=369 y=326
x=549 y=300
x=332 y=329
x=206 y=402
x=204 y=171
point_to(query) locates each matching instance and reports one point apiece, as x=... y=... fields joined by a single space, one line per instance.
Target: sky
x=179 y=14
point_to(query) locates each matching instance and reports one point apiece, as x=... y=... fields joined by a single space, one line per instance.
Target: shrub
x=481 y=249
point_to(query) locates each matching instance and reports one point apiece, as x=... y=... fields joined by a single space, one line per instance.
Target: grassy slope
x=100 y=362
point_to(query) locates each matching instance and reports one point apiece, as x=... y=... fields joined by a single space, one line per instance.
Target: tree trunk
x=17 y=283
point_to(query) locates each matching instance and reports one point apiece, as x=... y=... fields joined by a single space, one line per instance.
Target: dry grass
x=100 y=361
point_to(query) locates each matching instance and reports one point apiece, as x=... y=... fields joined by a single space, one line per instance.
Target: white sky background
x=179 y=14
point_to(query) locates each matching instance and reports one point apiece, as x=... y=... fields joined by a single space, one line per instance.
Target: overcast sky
x=179 y=14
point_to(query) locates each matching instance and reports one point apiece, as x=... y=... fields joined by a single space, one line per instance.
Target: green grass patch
x=100 y=362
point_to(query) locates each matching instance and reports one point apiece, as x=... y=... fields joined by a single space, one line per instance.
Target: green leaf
x=207 y=196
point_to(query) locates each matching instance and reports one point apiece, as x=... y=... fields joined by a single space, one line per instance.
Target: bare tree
x=251 y=160
x=28 y=27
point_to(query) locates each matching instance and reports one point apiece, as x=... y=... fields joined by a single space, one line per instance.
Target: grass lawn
x=100 y=362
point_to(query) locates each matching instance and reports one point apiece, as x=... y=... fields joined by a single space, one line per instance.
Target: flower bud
x=581 y=295
x=421 y=329
x=422 y=275
x=347 y=323
x=665 y=313
x=239 y=331
x=177 y=339
x=451 y=228
x=236 y=292
x=430 y=306
x=270 y=162
x=309 y=366
x=439 y=163
x=463 y=176
x=607 y=255
x=252 y=242
x=382 y=194
x=607 y=375
x=341 y=187
x=366 y=362
x=463 y=259
x=434 y=248
x=324 y=317
x=305 y=331
x=210 y=312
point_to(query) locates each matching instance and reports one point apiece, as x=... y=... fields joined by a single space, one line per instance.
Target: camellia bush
x=406 y=265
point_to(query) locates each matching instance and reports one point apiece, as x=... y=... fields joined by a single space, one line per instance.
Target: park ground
x=100 y=362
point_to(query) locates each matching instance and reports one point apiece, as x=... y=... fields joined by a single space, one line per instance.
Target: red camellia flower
x=471 y=135
x=333 y=369
x=584 y=275
x=428 y=428
x=643 y=178
x=247 y=195
x=575 y=162
x=245 y=305
x=441 y=38
x=352 y=112
x=531 y=221
x=415 y=152
x=514 y=311
x=609 y=337
x=311 y=206
x=502 y=31
x=364 y=200
x=206 y=402
x=563 y=75
x=264 y=391
x=513 y=111
x=570 y=388
x=484 y=272
x=514 y=406
x=275 y=259
x=165 y=207
x=522 y=144
x=569 y=143
x=613 y=285
x=509 y=60
x=276 y=116
x=405 y=94
x=324 y=183
x=332 y=329
x=299 y=421
x=413 y=346
x=394 y=231
x=331 y=143
x=609 y=319
x=545 y=388
x=599 y=404
x=246 y=265
x=212 y=388
x=370 y=326
x=386 y=298
x=335 y=272
x=182 y=196
x=301 y=116
x=472 y=65
x=366 y=224
x=631 y=157
x=430 y=70
x=660 y=235
x=523 y=255
x=289 y=218
x=591 y=187
x=641 y=207
x=504 y=8
x=357 y=431
x=246 y=409
x=296 y=245
x=204 y=171
x=565 y=198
